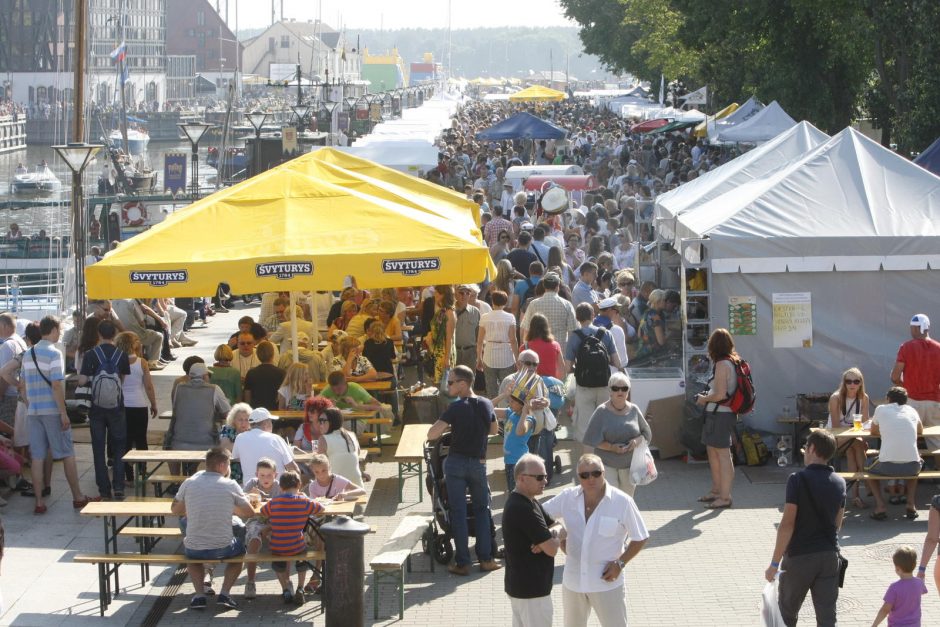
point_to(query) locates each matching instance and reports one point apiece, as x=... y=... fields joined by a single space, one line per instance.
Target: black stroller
x=437 y=540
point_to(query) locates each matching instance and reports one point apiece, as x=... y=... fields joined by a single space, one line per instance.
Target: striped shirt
x=287 y=515
x=38 y=391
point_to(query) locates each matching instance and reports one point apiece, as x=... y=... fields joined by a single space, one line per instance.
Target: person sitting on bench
x=898 y=426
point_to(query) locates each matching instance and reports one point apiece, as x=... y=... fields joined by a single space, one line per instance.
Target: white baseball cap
x=922 y=321
x=260 y=414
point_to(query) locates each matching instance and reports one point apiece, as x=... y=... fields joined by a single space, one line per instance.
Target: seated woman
x=898 y=426
x=347 y=311
x=380 y=350
x=848 y=400
x=235 y=422
x=339 y=445
x=296 y=388
x=309 y=433
x=351 y=362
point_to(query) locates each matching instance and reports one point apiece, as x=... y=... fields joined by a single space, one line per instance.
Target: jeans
x=234 y=549
x=543 y=445
x=108 y=428
x=460 y=474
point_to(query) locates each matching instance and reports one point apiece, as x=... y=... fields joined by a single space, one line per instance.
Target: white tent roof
x=407 y=155
x=751 y=107
x=754 y=164
x=848 y=204
x=770 y=122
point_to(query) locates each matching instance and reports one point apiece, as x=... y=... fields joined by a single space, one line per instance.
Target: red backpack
x=742 y=401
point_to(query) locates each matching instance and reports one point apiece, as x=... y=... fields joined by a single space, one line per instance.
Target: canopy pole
x=293 y=328
x=315 y=317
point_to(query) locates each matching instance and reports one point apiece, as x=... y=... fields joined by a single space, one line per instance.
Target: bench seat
x=394 y=555
x=864 y=476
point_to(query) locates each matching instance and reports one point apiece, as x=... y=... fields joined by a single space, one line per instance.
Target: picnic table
x=410 y=457
x=842 y=432
x=371 y=386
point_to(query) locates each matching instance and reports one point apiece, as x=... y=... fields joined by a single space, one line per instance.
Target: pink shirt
x=337 y=484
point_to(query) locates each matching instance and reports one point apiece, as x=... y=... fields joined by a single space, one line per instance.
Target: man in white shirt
x=608 y=316
x=598 y=520
x=898 y=425
x=259 y=442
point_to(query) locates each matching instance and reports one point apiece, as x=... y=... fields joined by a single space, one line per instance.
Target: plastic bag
x=642 y=467
x=770 y=605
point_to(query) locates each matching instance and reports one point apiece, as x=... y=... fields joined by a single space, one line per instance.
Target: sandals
x=717 y=503
x=878 y=515
x=859 y=503
x=40 y=509
x=897 y=499
x=708 y=498
x=79 y=504
x=912 y=514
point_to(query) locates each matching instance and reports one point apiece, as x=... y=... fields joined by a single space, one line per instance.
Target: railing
x=34 y=291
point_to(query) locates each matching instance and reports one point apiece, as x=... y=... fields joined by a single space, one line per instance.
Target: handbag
x=843 y=562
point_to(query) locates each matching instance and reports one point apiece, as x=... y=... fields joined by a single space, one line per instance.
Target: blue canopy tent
x=930 y=158
x=522 y=126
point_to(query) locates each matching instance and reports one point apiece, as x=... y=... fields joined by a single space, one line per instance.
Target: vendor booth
x=762 y=126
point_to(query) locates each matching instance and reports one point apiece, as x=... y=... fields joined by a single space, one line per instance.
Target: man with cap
x=197 y=405
x=917 y=368
x=609 y=318
x=259 y=442
x=558 y=311
x=505 y=199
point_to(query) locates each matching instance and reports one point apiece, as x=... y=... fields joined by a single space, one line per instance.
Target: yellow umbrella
x=537 y=93
x=702 y=129
x=285 y=230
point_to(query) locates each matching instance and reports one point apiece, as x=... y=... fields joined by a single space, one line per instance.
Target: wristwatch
x=620 y=563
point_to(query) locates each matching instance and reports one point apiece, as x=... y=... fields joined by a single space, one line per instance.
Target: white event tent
x=763 y=126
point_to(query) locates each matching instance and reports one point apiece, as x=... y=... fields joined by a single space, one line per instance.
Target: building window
x=201 y=18
x=285 y=41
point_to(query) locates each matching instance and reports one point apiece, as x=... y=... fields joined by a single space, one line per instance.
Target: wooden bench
x=866 y=476
x=159 y=479
x=394 y=555
x=410 y=457
x=108 y=562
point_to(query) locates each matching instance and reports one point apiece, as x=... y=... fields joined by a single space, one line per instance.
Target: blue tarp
x=930 y=158
x=522 y=126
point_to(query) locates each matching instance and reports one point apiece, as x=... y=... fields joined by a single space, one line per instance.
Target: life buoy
x=133 y=213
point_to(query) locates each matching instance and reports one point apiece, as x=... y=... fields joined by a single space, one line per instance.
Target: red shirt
x=548 y=353
x=921 y=376
x=288 y=515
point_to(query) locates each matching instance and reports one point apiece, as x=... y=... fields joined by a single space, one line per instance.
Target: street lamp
x=257 y=119
x=77 y=156
x=194 y=132
x=331 y=108
x=301 y=111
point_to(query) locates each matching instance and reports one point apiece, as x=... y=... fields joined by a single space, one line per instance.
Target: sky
x=364 y=14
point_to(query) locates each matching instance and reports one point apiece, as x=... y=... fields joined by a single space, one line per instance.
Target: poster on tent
x=742 y=315
x=793 y=320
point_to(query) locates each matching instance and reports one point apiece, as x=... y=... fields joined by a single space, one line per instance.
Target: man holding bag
x=807 y=538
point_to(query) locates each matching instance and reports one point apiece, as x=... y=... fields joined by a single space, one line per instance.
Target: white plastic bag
x=642 y=467
x=770 y=605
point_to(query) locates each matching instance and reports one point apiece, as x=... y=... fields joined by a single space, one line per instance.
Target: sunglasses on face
x=453 y=382
x=853 y=381
x=539 y=478
x=619 y=388
x=587 y=474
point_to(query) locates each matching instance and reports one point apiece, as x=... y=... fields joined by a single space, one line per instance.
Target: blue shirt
x=522 y=286
x=515 y=446
x=38 y=391
x=582 y=293
x=574 y=342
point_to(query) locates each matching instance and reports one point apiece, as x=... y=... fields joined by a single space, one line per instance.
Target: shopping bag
x=642 y=467
x=770 y=605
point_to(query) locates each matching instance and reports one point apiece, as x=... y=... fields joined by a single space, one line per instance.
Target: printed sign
x=411 y=267
x=793 y=320
x=159 y=278
x=742 y=315
x=288 y=139
x=284 y=270
x=174 y=172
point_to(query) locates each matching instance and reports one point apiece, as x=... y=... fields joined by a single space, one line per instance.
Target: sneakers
x=490 y=565
x=198 y=603
x=227 y=601
x=463 y=571
x=251 y=591
x=288 y=595
x=208 y=589
x=299 y=598
x=187 y=341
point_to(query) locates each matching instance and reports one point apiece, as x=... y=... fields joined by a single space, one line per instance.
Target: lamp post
x=194 y=132
x=301 y=111
x=257 y=120
x=77 y=156
x=331 y=109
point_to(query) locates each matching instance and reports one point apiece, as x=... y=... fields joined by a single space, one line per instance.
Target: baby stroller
x=437 y=540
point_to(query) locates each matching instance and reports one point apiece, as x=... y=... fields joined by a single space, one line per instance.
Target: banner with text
x=174 y=172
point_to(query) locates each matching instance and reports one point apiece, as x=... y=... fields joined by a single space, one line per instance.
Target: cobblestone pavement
x=699 y=568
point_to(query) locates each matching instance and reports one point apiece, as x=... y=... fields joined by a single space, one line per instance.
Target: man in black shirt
x=532 y=540
x=263 y=381
x=807 y=539
x=520 y=257
x=471 y=420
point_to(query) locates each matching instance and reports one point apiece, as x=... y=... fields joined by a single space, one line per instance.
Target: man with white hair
x=259 y=442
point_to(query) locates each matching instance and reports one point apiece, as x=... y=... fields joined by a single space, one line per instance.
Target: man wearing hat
x=259 y=442
x=197 y=405
x=917 y=368
x=505 y=199
x=609 y=317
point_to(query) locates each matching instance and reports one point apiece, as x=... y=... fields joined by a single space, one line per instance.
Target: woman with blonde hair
x=235 y=422
x=651 y=334
x=379 y=349
x=296 y=388
x=138 y=392
x=505 y=278
x=347 y=311
x=350 y=360
x=848 y=400
x=224 y=375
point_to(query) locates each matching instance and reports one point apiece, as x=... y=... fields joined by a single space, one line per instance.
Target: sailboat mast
x=122 y=65
x=78 y=82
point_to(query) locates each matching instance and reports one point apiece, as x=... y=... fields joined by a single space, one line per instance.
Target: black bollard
x=344 y=572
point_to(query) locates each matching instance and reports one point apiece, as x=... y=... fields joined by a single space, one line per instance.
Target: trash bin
x=423 y=408
x=344 y=572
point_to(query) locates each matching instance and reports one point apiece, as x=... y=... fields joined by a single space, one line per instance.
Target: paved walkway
x=699 y=568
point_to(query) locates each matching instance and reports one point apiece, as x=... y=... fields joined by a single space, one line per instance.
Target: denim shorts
x=46 y=434
x=236 y=548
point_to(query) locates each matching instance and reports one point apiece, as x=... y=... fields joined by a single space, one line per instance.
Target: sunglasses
x=620 y=388
x=853 y=381
x=538 y=478
x=590 y=473
x=453 y=382
x=529 y=364
x=323 y=419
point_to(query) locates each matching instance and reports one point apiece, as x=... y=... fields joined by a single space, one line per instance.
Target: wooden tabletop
x=849 y=432
x=295 y=414
x=374 y=386
x=411 y=444
x=154 y=455
x=161 y=507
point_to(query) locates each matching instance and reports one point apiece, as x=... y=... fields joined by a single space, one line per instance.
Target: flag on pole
x=125 y=74
x=662 y=89
x=119 y=53
x=697 y=97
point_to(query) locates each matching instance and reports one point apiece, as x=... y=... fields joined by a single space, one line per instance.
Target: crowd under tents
x=849 y=222
x=762 y=126
x=522 y=125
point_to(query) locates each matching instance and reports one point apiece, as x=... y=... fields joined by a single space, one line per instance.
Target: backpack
x=528 y=296
x=106 y=390
x=742 y=401
x=756 y=452
x=592 y=363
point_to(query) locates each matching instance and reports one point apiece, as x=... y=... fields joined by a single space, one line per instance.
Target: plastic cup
x=856 y=422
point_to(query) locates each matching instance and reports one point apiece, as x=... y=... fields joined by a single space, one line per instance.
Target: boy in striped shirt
x=287 y=515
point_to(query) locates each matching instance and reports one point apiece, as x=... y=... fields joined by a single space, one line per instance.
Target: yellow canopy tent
x=537 y=93
x=285 y=230
x=702 y=129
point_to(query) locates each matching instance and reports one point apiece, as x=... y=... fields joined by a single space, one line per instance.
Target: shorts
x=7 y=408
x=46 y=434
x=280 y=567
x=895 y=469
x=718 y=428
x=254 y=529
x=236 y=548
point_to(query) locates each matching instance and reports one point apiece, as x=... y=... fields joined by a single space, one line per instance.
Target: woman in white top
x=138 y=392
x=339 y=445
x=848 y=400
x=898 y=426
x=497 y=345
